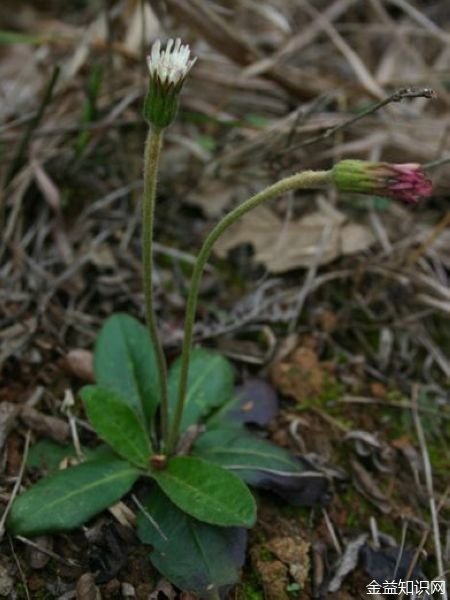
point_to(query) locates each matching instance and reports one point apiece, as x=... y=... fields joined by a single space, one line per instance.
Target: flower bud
x=168 y=69
x=405 y=182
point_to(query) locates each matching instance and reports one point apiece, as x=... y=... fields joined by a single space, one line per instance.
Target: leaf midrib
x=134 y=375
x=203 y=554
x=220 y=450
x=131 y=443
x=194 y=387
x=84 y=489
x=187 y=486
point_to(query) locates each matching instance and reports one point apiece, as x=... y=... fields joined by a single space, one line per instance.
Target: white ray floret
x=170 y=66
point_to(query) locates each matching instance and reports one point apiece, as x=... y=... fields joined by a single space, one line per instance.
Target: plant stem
x=151 y=164
x=305 y=179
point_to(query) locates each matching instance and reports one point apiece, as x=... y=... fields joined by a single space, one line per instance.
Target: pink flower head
x=409 y=183
x=405 y=182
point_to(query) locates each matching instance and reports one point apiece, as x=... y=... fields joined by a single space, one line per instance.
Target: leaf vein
x=82 y=490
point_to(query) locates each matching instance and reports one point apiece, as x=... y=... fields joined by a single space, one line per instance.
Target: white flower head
x=170 y=67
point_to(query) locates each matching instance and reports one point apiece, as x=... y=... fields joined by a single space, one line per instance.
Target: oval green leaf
x=117 y=424
x=125 y=363
x=71 y=497
x=207 y=492
x=210 y=385
x=197 y=557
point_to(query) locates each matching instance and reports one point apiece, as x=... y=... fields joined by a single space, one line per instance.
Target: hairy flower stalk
x=168 y=69
x=306 y=179
x=151 y=164
x=405 y=182
x=402 y=182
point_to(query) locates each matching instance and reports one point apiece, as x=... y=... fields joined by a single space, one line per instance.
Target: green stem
x=151 y=164
x=298 y=181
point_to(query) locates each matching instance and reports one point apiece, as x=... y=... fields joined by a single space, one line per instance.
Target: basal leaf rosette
x=405 y=182
x=168 y=70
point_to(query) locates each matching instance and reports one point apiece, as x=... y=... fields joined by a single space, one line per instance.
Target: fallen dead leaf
x=347 y=562
x=96 y=31
x=213 y=196
x=45 y=425
x=281 y=247
x=50 y=192
x=20 y=80
x=366 y=484
x=355 y=238
x=86 y=588
x=142 y=27
x=370 y=449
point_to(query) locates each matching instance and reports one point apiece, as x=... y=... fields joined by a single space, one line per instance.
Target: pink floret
x=409 y=183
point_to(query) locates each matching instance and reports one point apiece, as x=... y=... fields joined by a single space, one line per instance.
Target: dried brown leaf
x=47 y=187
x=231 y=42
x=86 y=588
x=142 y=27
x=213 y=196
x=20 y=80
x=368 y=487
x=347 y=562
x=281 y=247
x=45 y=425
x=95 y=33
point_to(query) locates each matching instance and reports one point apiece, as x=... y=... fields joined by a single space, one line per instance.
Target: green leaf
x=236 y=450
x=210 y=385
x=47 y=455
x=117 y=424
x=125 y=363
x=262 y=464
x=197 y=557
x=207 y=492
x=69 y=498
